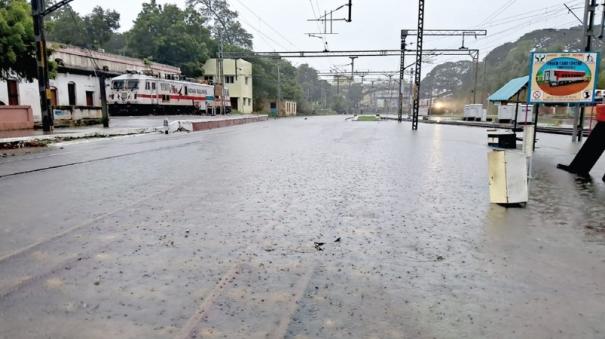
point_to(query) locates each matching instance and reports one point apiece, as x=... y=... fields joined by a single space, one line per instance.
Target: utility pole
x=352 y=78
x=429 y=111
x=220 y=70
x=418 y=67
x=222 y=73
x=387 y=106
x=404 y=35
x=103 y=93
x=589 y=15
x=353 y=67
x=278 y=90
x=38 y=8
x=350 y=11
x=39 y=11
x=410 y=98
x=476 y=61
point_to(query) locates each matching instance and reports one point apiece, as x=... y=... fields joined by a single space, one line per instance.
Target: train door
x=547 y=76
x=154 y=93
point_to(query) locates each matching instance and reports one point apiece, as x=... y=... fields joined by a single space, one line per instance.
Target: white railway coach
x=136 y=94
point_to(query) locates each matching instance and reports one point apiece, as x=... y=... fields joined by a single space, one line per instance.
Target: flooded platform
x=297 y=228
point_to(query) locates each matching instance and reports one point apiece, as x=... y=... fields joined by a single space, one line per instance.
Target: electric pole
x=589 y=15
x=278 y=90
x=353 y=67
x=476 y=62
x=103 y=93
x=418 y=67
x=39 y=11
x=38 y=8
x=221 y=73
x=404 y=35
x=390 y=101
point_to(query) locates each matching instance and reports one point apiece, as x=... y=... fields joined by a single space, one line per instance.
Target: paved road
x=212 y=235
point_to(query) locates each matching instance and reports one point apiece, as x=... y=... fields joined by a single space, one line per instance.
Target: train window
x=229 y=79
x=147 y=85
x=132 y=84
x=165 y=87
x=186 y=91
x=117 y=84
x=153 y=85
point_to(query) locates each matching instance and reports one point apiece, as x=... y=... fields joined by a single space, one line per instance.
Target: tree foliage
x=94 y=30
x=316 y=92
x=167 y=34
x=183 y=37
x=224 y=22
x=17 y=45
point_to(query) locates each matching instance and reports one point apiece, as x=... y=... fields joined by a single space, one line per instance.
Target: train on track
x=557 y=77
x=137 y=94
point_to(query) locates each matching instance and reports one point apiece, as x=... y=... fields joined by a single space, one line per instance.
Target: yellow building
x=238 y=80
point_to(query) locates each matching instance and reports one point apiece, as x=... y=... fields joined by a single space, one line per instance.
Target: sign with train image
x=563 y=77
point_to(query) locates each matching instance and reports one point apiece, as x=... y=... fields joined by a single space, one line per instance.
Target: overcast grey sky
x=376 y=23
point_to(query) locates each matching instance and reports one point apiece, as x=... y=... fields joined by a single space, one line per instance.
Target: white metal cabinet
x=507 y=177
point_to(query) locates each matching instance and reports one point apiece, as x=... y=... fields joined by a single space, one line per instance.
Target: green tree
x=94 y=30
x=170 y=35
x=66 y=26
x=17 y=46
x=100 y=26
x=224 y=22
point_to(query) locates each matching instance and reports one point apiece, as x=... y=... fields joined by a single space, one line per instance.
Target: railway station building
x=75 y=91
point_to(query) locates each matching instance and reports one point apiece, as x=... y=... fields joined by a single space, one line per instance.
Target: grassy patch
x=368 y=118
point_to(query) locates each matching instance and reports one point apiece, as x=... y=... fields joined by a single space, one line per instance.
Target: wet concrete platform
x=121 y=126
x=213 y=235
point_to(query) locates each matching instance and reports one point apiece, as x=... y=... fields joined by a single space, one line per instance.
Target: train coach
x=137 y=94
x=557 y=77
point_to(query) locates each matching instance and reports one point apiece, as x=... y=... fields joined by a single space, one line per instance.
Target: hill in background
x=453 y=82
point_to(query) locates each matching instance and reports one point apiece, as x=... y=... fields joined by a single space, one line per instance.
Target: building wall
x=75 y=57
x=28 y=96
x=83 y=84
x=286 y=108
x=78 y=65
x=240 y=71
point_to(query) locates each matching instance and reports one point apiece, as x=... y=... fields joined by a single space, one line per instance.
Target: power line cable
x=267 y=24
x=275 y=43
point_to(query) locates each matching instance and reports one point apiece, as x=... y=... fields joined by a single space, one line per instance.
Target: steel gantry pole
x=404 y=35
x=418 y=67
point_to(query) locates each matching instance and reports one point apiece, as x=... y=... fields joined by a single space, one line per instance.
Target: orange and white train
x=136 y=94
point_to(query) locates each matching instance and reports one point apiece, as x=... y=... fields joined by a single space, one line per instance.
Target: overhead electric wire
x=267 y=24
x=275 y=43
x=497 y=12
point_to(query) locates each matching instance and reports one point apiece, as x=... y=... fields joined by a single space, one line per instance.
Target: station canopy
x=509 y=90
